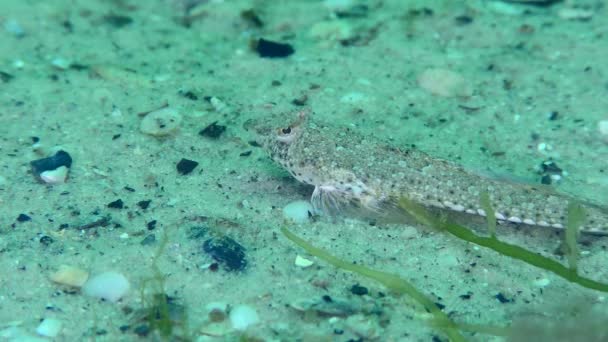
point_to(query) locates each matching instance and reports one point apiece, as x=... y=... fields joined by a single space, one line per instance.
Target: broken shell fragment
x=53 y=169
x=70 y=275
x=162 y=122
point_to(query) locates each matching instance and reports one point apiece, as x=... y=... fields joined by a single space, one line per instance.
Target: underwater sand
x=78 y=73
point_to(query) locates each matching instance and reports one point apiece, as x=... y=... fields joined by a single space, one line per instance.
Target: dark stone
x=148 y=240
x=118 y=204
x=117 y=21
x=144 y=204
x=501 y=298
x=213 y=131
x=269 y=49
x=554 y=115
x=61 y=158
x=463 y=19
x=185 y=166
x=252 y=18
x=142 y=330
x=227 y=252
x=189 y=95
x=46 y=240
x=358 y=290
x=5 y=76
x=23 y=218
x=551 y=168
x=151 y=225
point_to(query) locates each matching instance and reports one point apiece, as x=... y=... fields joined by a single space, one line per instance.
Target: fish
x=351 y=171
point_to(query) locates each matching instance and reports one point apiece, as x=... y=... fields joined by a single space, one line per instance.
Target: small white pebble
x=110 y=286
x=49 y=327
x=57 y=176
x=575 y=13
x=242 y=316
x=542 y=282
x=303 y=262
x=60 y=63
x=602 y=127
x=445 y=83
x=298 y=211
x=13 y=27
x=18 y=64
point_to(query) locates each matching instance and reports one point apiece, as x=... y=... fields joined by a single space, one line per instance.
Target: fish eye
x=286 y=130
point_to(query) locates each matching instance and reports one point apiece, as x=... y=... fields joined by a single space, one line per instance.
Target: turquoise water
x=154 y=101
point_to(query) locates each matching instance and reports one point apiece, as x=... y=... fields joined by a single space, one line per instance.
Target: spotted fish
x=352 y=170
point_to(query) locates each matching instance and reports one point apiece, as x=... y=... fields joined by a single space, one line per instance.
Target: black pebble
x=148 y=240
x=151 y=225
x=23 y=218
x=118 y=204
x=46 y=240
x=144 y=204
x=117 y=21
x=5 y=76
x=142 y=330
x=463 y=20
x=185 y=166
x=189 y=95
x=501 y=298
x=358 y=290
x=551 y=168
x=213 y=131
x=270 y=49
x=227 y=252
x=61 y=158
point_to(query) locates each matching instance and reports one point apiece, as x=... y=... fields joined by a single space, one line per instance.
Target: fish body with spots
x=349 y=170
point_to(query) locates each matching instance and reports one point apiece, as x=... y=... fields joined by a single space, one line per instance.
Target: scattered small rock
x=70 y=276
x=185 y=166
x=269 y=49
x=501 y=298
x=148 y=240
x=602 y=127
x=144 y=204
x=151 y=225
x=13 y=27
x=298 y=211
x=358 y=290
x=117 y=21
x=444 y=82
x=118 y=204
x=227 y=252
x=49 y=327
x=570 y=13
x=162 y=122
x=46 y=240
x=243 y=316
x=23 y=218
x=110 y=286
x=53 y=169
x=303 y=262
x=213 y=130
x=550 y=172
